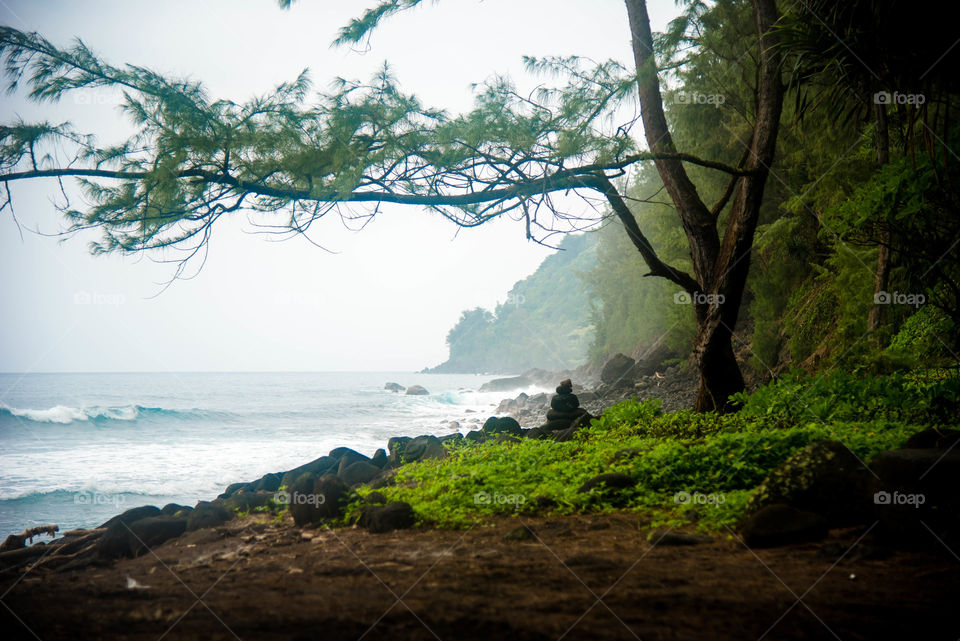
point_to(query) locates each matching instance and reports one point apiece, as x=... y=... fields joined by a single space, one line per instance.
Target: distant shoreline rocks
x=506 y=384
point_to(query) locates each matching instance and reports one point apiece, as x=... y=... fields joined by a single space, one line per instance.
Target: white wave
x=63 y=414
x=57 y=414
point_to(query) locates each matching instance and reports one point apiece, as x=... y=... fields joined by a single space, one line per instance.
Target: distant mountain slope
x=545 y=321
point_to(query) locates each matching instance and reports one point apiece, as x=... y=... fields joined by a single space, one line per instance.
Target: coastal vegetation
x=674 y=458
x=545 y=321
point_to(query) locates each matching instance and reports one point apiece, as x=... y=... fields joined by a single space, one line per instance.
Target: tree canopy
x=306 y=154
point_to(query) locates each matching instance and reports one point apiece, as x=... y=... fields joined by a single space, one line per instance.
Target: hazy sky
x=384 y=301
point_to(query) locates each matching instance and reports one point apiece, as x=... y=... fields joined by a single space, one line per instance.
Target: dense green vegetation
x=674 y=456
x=544 y=321
x=844 y=184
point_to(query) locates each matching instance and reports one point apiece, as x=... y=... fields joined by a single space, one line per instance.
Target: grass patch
x=689 y=468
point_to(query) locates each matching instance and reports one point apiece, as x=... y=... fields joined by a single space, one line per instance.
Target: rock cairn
x=565 y=411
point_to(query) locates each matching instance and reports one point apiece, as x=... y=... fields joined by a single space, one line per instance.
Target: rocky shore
x=819 y=519
x=622 y=378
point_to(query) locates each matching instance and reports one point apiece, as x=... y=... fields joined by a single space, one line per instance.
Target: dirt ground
x=578 y=577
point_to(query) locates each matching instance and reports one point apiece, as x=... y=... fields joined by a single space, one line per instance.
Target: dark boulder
x=933 y=438
x=652 y=361
x=359 y=473
x=246 y=501
x=916 y=496
x=394 y=387
x=231 y=489
x=475 y=435
x=345 y=453
x=172 y=509
x=825 y=478
x=375 y=498
x=132 y=539
x=313 y=500
x=318 y=467
x=266 y=483
x=934 y=471
x=150 y=532
x=502 y=425
x=349 y=458
x=395 y=515
x=379 y=458
x=395 y=447
x=618 y=370
x=133 y=514
x=207 y=514
x=422 y=448
x=505 y=384
x=780 y=524
x=417 y=390
x=115 y=542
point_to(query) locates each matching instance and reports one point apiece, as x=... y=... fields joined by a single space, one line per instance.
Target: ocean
x=76 y=449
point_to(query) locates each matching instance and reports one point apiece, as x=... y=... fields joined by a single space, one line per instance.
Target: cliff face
x=545 y=321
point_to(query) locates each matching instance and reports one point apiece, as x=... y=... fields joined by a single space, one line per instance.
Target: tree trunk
x=720 y=269
x=878 y=313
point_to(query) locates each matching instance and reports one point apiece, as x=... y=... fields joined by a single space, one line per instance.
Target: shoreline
x=525 y=408
x=315 y=568
x=528 y=409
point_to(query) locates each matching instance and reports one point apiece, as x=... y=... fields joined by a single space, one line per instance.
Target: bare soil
x=578 y=577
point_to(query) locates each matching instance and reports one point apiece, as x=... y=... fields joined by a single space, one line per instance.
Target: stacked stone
x=564 y=409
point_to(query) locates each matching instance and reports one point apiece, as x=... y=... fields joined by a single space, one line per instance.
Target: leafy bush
x=680 y=452
x=923 y=337
x=840 y=396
